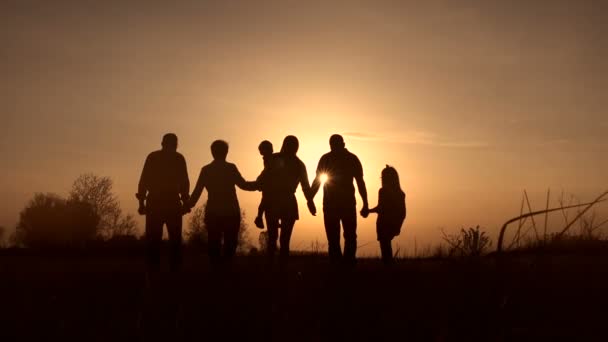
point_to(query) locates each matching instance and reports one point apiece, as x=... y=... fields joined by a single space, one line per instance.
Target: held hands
x=311 y=207
x=186 y=206
x=185 y=209
x=364 y=211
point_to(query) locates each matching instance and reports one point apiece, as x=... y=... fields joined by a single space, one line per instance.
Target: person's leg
x=286 y=229
x=154 y=235
x=273 y=235
x=174 y=228
x=214 y=240
x=349 y=223
x=387 y=251
x=332 y=230
x=231 y=237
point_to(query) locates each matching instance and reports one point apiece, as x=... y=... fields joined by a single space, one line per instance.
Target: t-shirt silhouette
x=164 y=177
x=341 y=167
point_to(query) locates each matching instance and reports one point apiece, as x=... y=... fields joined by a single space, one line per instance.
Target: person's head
x=265 y=148
x=336 y=142
x=219 y=150
x=390 y=178
x=169 y=142
x=290 y=145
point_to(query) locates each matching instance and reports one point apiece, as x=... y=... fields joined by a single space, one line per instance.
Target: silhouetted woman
x=222 y=212
x=391 y=212
x=279 y=182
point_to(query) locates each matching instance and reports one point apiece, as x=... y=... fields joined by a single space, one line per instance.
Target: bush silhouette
x=51 y=221
x=472 y=242
x=196 y=234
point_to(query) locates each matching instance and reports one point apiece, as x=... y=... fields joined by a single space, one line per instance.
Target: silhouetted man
x=163 y=189
x=339 y=204
x=279 y=182
x=222 y=212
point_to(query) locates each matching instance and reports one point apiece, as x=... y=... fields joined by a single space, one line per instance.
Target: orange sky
x=471 y=101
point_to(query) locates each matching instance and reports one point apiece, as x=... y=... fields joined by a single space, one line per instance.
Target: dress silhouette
x=162 y=191
x=222 y=212
x=279 y=182
x=339 y=204
x=391 y=212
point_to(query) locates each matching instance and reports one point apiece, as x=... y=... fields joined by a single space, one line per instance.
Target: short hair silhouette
x=265 y=148
x=336 y=142
x=219 y=149
x=290 y=145
x=390 y=178
x=169 y=141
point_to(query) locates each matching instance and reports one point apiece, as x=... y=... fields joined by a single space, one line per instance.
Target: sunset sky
x=471 y=101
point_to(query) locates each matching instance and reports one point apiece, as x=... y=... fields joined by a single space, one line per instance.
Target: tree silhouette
x=2 y=236
x=51 y=221
x=97 y=191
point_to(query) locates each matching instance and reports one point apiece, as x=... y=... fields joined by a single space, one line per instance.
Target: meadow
x=105 y=295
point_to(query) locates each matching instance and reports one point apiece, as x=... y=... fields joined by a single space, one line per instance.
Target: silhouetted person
x=222 y=212
x=163 y=190
x=339 y=204
x=279 y=181
x=391 y=212
x=266 y=152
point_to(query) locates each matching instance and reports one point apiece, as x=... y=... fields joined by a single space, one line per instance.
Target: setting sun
x=323 y=178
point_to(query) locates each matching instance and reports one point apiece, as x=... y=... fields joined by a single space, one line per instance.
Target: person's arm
x=184 y=186
x=361 y=187
x=143 y=186
x=316 y=183
x=198 y=190
x=377 y=209
x=304 y=183
x=259 y=181
x=263 y=178
x=307 y=190
x=242 y=183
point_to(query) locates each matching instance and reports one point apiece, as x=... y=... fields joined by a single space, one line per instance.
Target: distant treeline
x=91 y=217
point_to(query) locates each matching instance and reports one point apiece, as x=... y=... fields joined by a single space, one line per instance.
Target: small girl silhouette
x=391 y=212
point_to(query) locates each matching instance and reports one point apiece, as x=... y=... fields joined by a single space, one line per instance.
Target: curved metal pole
x=504 y=226
x=598 y=199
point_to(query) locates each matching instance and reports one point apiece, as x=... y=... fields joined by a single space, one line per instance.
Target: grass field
x=106 y=297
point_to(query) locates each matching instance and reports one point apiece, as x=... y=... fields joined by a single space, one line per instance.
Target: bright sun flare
x=323 y=178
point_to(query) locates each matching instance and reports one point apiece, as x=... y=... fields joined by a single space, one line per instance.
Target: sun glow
x=323 y=178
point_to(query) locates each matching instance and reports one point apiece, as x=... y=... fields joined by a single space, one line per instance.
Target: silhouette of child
x=391 y=212
x=266 y=152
